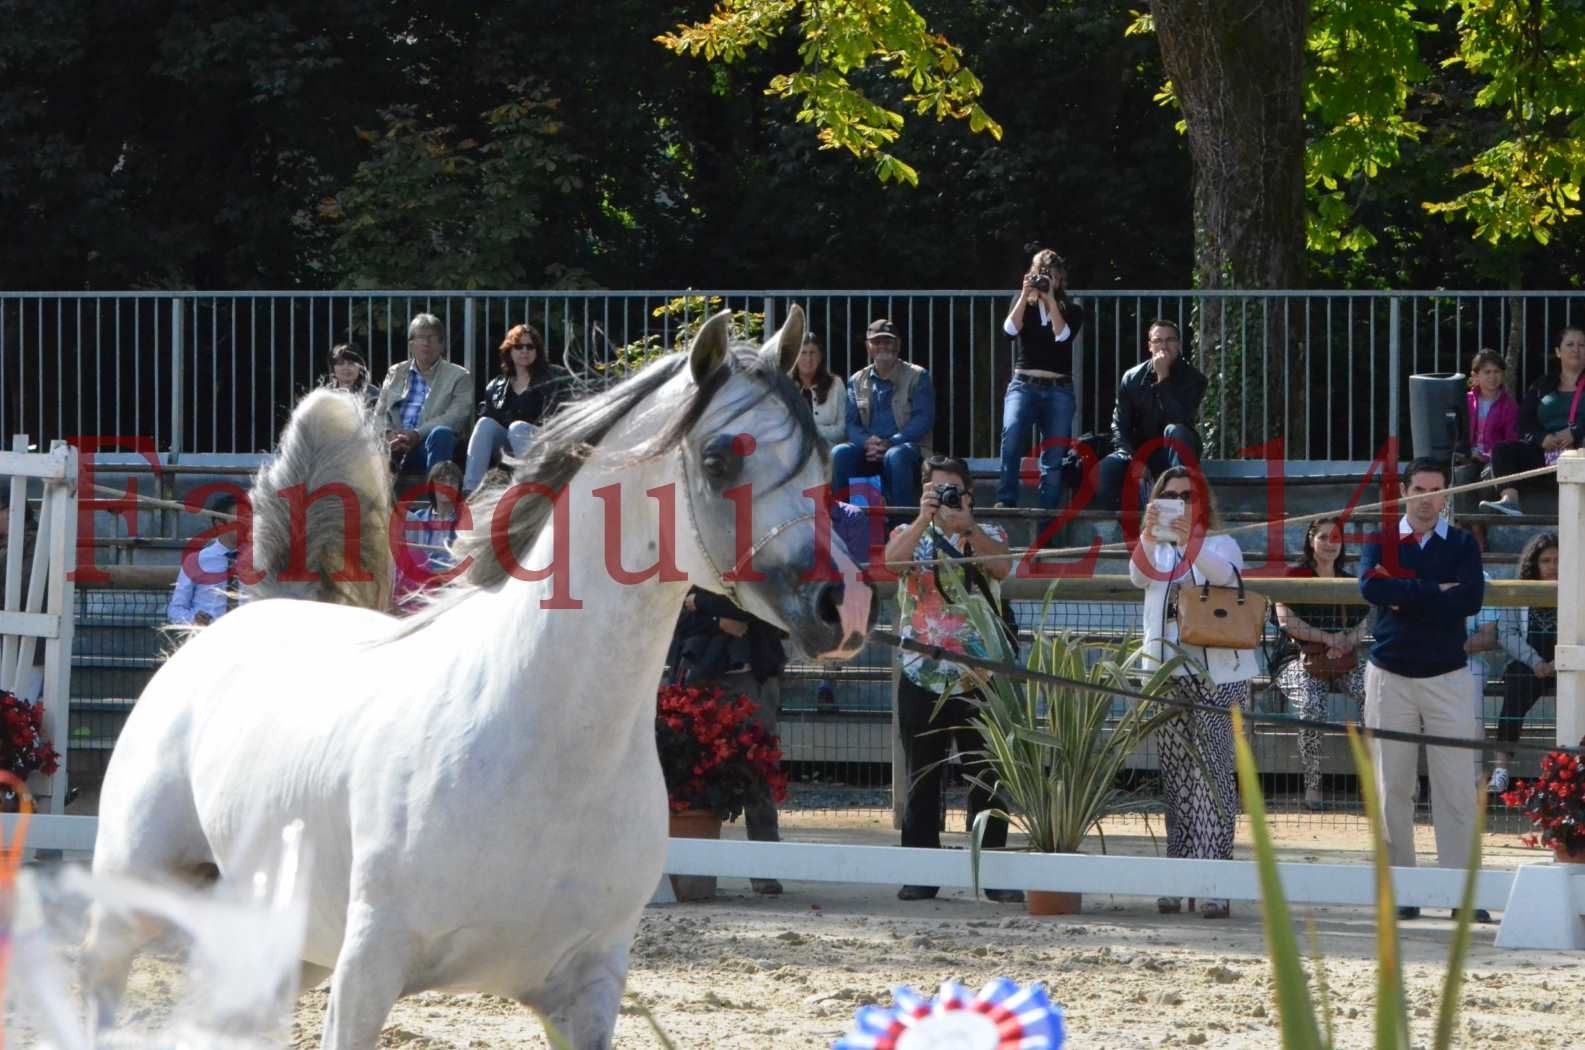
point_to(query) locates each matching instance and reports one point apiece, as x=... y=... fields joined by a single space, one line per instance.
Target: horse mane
x=329 y=446
x=568 y=440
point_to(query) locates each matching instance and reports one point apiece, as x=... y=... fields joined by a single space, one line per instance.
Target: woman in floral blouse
x=944 y=528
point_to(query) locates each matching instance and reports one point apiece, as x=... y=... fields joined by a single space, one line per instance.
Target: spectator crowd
x=1407 y=658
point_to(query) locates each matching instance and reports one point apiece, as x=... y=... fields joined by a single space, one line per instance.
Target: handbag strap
x=1238 y=581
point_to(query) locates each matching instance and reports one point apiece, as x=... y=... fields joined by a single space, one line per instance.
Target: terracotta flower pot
x=694 y=824
x=1053 y=902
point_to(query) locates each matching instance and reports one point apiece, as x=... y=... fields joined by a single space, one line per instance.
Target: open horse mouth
x=851 y=610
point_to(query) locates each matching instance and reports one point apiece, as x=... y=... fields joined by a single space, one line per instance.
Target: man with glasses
x=891 y=412
x=425 y=401
x=1158 y=406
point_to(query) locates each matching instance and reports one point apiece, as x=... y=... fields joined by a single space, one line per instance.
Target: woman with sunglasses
x=1319 y=650
x=515 y=402
x=1201 y=810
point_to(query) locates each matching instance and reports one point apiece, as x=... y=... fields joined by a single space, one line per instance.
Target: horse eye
x=721 y=459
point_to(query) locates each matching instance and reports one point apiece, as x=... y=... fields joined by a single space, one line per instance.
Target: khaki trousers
x=1438 y=706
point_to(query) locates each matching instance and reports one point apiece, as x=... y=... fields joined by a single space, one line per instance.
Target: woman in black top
x=1551 y=421
x=1318 y=651
x=348 y=373
x=1529 y=635
x=515 y=402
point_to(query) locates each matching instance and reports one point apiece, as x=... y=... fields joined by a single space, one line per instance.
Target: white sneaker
x=1502 y=506
x=1499 y=781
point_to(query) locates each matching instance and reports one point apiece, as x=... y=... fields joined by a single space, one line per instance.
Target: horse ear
x=781 y=349
x=709 y=346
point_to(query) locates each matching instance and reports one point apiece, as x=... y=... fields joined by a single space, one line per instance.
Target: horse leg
x=105 y=962
x=581 y=998
x=369 y=976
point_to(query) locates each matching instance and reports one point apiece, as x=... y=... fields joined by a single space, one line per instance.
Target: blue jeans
x=490 y=438
x=1114 y=467
x=437 y=447
x=1049 y=408
x=899 y=471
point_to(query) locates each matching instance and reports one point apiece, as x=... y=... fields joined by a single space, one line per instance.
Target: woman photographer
x=1319 y=655
x=1173 y=553
x=1042 y=322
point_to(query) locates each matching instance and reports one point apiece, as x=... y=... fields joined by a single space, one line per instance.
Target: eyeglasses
x=1168 y=341
x=1186 y=495
x=415 y=340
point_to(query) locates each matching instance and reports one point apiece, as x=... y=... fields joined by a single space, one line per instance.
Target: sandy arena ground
x=750 y=972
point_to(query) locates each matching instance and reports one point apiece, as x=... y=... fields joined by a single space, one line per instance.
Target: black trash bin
x=1437 y=415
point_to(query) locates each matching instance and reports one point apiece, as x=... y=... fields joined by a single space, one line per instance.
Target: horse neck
x=612 y=647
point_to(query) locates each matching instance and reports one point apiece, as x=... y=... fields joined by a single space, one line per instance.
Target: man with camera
x=944 y=526
x=891 y=412
x=1042 y=322
x=1157 y=409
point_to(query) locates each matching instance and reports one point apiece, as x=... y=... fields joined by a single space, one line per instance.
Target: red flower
x=713 y=754
x=1554 y=802
x=23 y=747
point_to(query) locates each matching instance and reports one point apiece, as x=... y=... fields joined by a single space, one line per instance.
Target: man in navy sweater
x=1424 y=581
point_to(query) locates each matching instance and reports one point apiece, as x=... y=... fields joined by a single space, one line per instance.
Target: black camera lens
x=950 y=496
x=1040 y=281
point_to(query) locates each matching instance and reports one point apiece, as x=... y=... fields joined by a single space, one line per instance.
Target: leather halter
x=728 y=586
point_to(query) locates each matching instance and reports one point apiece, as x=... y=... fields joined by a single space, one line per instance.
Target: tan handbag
x=1221 y=617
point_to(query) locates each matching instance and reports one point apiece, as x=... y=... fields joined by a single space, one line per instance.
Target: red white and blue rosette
x=1001 y=1016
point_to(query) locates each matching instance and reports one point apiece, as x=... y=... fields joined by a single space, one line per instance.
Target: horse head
x=754 y=473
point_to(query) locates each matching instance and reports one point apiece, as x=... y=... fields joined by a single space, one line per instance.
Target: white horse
x=479 y=785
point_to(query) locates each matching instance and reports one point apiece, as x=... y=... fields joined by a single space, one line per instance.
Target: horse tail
x=329 y=477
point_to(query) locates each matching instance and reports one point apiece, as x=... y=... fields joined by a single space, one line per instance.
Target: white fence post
x=62 y=498
x=1571 y=598
x=43 y=614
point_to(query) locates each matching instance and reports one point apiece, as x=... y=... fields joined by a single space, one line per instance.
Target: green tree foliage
x=1373 y=63
x=1531 y=55
x=430 y=209
x=837 y=40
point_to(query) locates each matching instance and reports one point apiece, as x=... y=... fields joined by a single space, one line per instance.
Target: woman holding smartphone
x=1174 y=551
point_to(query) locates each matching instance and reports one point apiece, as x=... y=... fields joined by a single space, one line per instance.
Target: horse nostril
x=828 y=604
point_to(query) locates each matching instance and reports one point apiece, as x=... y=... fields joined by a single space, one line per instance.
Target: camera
x=950 y=496
x=1041 y=282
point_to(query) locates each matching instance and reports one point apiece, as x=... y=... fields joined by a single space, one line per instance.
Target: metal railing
x=217 y=372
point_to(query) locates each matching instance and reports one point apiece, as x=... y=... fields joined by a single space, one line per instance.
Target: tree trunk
x=1238 y=69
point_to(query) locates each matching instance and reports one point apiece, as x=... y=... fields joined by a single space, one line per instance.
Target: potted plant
x=24 y=749
x=716 y=760
x=1052 y=753
x=1555 y=804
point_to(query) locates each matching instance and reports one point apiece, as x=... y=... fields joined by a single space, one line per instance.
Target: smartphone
x=1167 y=512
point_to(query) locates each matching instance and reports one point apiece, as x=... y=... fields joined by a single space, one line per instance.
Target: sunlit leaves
x=1366 y=74
x=838 y=42
x=1532 y=58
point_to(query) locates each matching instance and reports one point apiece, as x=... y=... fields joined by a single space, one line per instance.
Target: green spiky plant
x=1301 y=1028
x=1052 y=754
